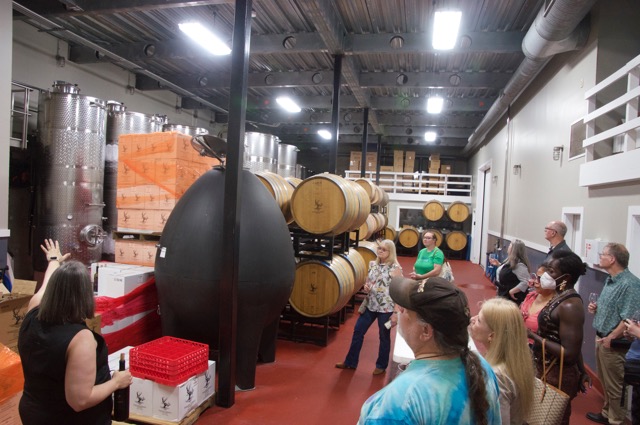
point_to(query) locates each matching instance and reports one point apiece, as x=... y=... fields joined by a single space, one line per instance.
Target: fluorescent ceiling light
x=430 y=136
x=205 y=38
x=445 y=29
x=288 y=105
x=325 y=134
x=434 y=105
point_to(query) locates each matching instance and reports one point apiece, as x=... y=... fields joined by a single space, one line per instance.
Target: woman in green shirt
x=430 y=258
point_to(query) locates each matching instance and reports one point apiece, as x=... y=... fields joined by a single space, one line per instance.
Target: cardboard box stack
x=398 y=161
x=13 y=308
x=409 y=166
x=154 y=171
x=372 y=161
x=167 y=402
x=151 y=399
x=434 y=168
x=11 y=385
x=355 y=161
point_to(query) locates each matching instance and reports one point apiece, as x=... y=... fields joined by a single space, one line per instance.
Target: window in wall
x=578 y=134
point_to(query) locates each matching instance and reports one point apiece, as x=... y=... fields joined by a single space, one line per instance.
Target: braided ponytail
x=476 y=376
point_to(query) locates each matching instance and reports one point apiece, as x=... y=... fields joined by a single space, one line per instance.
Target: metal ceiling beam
x=356 y=139
x=414 y=131
x=220 y=80
x=494 y=80
x=329 y=24
x=355 y=44
x=397 y=104
x=471 y=42
x=62 y=8
x=275 y=117
x=46 y=24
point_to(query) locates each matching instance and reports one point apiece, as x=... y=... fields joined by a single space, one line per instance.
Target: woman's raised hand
x=52 y=251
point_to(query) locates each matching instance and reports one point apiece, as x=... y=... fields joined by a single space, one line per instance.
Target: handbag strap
x=553 y=362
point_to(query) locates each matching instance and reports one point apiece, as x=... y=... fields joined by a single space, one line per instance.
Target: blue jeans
x=362 y=326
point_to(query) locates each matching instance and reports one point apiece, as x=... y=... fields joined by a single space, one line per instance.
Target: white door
x=481 y=215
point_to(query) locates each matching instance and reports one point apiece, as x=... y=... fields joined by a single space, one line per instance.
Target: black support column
x=335 y=114
x=365 y=136
x=228 y=303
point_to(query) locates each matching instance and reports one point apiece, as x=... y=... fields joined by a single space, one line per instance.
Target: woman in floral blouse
x=378 y=306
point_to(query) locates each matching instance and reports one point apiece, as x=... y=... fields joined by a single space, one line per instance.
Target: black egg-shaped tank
x=189 y=264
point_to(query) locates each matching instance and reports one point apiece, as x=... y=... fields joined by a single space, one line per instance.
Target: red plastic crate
x=168 y=360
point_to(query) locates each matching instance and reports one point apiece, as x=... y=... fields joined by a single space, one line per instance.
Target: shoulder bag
x=446 y=272
x=549 y=402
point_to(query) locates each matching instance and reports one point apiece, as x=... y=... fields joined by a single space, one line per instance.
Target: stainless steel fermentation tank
x=72 y=139
x=119 y=122
x=260 y=152
x=287 y=159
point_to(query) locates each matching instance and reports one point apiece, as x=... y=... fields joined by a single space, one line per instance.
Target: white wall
x=541 y=119
x=34 y=63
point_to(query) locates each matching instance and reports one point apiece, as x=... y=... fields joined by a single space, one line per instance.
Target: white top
x=403 y=354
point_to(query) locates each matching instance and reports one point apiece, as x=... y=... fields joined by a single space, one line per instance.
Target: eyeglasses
x=534 y=277
x=427 y=237
x=550 y=229
x=603 y=254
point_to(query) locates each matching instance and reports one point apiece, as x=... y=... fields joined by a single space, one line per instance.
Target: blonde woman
x=500 y=328
x=379 y=306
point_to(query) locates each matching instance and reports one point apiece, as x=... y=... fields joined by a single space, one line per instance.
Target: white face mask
x=547 y=282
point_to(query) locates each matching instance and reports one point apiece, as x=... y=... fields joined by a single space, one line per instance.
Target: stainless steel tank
x=261 y=152
x=301 y=171
x=287 y=159
x=72 y=138
x=120 y=121
x=185 y=129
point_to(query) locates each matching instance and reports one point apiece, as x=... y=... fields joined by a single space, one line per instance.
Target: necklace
x=430 y=356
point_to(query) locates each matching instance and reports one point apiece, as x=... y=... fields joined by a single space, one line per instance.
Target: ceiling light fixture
x=435 y=104
x=288 y=104
x=325 y=134
x=205 y=38
x=430 y=136
x=445 y=29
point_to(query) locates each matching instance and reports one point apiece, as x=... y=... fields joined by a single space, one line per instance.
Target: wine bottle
x=121 y=398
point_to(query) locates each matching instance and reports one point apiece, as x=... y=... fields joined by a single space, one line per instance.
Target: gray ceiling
x=388 y=65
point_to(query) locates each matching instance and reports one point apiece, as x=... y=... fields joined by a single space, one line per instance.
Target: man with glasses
x=619 y=299
x=554 y=232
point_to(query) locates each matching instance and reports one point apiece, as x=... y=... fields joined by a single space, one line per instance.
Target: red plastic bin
x=168 y=360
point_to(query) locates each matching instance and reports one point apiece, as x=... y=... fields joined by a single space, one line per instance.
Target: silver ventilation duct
x=557 y=28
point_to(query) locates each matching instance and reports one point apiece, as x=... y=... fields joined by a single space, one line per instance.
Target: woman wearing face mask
x=544 y=290
x=560 y=325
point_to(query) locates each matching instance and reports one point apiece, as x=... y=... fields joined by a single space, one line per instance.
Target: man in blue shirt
x=618 y=301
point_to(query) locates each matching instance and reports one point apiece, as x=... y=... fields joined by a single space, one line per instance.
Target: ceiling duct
x=558 y=28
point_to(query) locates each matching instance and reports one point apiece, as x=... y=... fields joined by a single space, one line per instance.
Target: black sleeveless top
x=547 y=328
x=43 y=350
x=507 y=280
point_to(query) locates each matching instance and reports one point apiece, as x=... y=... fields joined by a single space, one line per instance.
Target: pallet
x=190 y=419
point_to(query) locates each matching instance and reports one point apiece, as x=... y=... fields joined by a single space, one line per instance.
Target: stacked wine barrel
x=451 y=219
x=329 y=205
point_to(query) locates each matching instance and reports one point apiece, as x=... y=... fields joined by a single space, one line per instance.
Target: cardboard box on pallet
x=398 y=161
x=445 y=169
x=409 y=161
x=13 y=308
x=355 y=160
x=137 y=252
x=173 y=403
x=372 y=161
x=115 y=282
